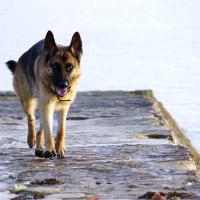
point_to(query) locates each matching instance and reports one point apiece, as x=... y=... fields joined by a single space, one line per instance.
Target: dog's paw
x=31 y=140
x=49 y=154
x=39 y=153
x=60 y=152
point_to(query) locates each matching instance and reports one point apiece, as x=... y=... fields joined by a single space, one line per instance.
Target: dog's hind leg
x=29 y=108
x=60 y=138
x=28 y=102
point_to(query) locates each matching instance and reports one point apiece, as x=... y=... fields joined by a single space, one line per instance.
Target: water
x=128 y=45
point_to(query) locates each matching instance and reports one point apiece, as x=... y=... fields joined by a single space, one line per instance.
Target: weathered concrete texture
x=119 y=146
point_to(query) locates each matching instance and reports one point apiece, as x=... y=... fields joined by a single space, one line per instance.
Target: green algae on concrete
x=119 y=145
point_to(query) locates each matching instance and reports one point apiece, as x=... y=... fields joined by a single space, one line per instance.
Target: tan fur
x=40 y=140
x=47 y=101
x=28 y=102
x=60 y=139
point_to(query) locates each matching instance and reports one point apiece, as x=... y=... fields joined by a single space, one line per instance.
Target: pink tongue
x=61 y=92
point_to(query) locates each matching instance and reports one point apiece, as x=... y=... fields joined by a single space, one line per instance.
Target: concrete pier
x=119 y=145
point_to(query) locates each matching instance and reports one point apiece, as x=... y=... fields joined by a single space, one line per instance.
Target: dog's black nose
x=63 y=84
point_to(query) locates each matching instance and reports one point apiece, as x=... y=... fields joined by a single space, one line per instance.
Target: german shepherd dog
x=46 y=75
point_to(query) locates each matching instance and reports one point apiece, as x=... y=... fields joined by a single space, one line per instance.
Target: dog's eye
x=69 y=67
x=55 y=66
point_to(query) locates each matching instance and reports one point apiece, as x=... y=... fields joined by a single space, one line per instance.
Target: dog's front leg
x=39 y=151
x=60 y=138
x=46 y=113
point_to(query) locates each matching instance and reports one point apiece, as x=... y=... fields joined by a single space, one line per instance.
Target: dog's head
x=62 y=63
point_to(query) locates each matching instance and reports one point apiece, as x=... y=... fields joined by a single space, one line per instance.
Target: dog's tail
x=11 y=64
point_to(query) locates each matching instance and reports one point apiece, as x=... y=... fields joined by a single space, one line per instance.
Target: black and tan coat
x=46 y=76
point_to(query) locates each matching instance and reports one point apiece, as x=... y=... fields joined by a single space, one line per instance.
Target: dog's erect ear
x=49 y=42
x=76 y=46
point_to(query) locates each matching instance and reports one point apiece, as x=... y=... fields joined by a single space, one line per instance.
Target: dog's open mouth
x=62 y=92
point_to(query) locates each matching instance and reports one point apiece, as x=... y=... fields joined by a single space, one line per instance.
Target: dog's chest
x=60 y=105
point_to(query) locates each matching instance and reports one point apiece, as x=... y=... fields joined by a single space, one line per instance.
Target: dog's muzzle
x=61 y=88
